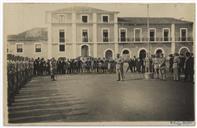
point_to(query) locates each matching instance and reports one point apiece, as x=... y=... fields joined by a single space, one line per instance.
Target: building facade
x=84 y=31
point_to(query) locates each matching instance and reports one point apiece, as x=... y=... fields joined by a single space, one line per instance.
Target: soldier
x=18 y=74
x=147 y=64
x=175 y=66
x=119 y=68
x=10 y=75
x=156 y=66
x=188 y=66
x=53 y=68
x=162 y=67
x=130 y=65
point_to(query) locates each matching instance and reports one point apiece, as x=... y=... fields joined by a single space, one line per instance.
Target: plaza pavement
x=99 y=97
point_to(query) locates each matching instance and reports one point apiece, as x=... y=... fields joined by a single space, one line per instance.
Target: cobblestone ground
x=99 y=97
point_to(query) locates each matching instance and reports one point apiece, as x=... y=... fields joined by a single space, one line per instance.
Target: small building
x=86 y=31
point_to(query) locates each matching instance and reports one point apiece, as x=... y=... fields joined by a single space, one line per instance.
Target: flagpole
x=148 y=75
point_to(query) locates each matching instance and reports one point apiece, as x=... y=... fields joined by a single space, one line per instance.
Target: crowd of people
x=21 y=69
x=74 y=66
x=178 y=65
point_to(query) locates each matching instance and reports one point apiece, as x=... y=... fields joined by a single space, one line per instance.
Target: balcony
x=105 y=39
x=144 y=40
x=184 y=39
x=123 y=39
x=61 y=40
x=85 y=39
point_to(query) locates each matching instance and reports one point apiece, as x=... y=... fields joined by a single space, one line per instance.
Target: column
x=49 y=35
x=95 y=35
x=173 y=38
x=193 y=39
x=74 y=42
x=116 y=35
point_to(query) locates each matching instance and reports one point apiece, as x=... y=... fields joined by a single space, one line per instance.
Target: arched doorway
x=142 y=54
x=159 y=52
x=183 y=50
x=126 y=54
x=84 y=51
x=108 y=54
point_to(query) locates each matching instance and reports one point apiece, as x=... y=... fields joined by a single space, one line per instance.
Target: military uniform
x=119 y=69
x=10 y=74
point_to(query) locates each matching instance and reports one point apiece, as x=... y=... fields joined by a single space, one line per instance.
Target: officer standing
x=53 y=68
x=119 y=67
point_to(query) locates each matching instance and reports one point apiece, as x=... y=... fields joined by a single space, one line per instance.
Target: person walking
x=119 y=68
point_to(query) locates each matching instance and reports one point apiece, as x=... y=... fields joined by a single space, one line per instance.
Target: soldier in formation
x=19 y=72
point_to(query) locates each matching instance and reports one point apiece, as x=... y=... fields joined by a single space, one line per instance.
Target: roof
x=35 y=34
x=152 y=20
x=81 y=9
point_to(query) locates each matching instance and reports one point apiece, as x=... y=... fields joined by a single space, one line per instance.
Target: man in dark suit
x=189 y=64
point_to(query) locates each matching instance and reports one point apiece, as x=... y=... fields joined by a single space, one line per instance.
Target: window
x=137 y=34
x=105 y=19
x=183 y=35
x=19 y=48
x=84 y=35
x=166 y=35
x=105 y=35
x=61 y=18
x=37 y=47
x=122 y=35
x=84 y=19
x=61 y=47
x=152 y=34
x=61 y=36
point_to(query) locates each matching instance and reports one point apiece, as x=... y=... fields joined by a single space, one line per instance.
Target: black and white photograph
x=99 y=63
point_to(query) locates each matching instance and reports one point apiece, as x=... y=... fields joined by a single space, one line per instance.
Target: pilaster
x=95 y=46
x=116 y=34
x=74 y=42
x=173 y=39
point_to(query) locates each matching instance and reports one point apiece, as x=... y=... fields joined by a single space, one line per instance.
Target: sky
x=20 y=17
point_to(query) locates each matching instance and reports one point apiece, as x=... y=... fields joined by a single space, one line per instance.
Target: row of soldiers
x=19 y=72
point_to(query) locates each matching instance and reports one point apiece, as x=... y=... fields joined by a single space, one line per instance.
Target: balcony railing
x=85 y=39
x=184 y=39
x=144 y=39
x=62 y=40
x=123 y=39
x=105 y=39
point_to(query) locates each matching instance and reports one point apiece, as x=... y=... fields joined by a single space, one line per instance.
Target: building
x=85 y=31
